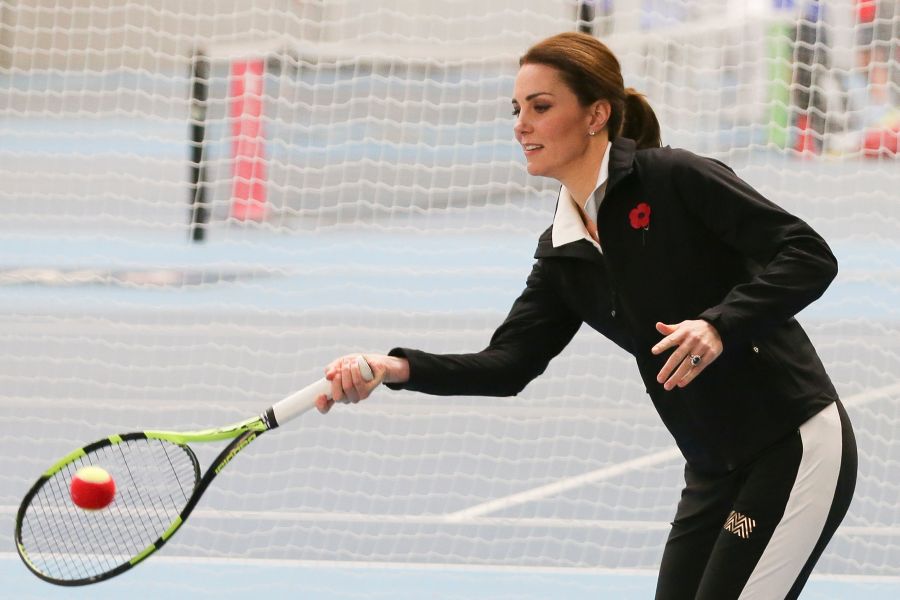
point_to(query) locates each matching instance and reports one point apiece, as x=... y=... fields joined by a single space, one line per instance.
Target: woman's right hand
x=348 y=385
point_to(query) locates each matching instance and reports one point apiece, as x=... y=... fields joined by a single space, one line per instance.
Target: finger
x=690 y=376
x=669 y=367
x=323 y=403
x=349 y=391
x=358 y=381
x=670 y=341
x=680 y=373
x=664 y=328
x=332 y=369
x=337 y=385
x=672 y=365
x=707 y=358
x=692 y=370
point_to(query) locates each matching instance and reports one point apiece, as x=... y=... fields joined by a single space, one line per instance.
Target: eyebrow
x=532 y=96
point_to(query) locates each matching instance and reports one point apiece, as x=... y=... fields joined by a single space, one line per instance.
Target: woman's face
x=551 y=124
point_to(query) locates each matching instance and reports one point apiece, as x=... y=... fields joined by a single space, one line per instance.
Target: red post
x=248 y=198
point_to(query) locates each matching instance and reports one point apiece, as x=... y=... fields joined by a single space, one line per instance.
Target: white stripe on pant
x=806 y=511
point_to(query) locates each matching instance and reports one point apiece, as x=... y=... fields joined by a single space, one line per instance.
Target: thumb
x=665 y=329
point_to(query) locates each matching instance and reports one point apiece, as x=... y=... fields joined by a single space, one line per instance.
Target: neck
x=581 y=179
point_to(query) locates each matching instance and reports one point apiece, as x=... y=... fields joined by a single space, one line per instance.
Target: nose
x=521 y=126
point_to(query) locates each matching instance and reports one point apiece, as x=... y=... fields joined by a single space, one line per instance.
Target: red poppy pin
x=640 y=218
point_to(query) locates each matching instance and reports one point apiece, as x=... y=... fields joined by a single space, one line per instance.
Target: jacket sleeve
x=536 y=329
x=794 y=265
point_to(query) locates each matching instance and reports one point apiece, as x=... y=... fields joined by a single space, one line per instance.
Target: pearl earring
x=592 y=133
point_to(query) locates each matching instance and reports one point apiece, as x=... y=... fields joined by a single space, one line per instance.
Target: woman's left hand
x=691 y=339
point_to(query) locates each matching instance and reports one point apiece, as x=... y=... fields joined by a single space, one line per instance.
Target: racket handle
x=303 y=400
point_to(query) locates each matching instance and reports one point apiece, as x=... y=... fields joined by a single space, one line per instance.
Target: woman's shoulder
x=680 y=159
x=667 y=154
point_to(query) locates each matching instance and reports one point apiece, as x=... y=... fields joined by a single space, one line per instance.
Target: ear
x=599 y=114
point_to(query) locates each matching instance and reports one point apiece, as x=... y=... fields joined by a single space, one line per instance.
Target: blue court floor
x=161 y=577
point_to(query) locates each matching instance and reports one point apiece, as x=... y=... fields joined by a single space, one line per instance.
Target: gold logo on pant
x=740 y=525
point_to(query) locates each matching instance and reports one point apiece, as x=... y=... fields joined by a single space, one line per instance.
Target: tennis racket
x=158 y=484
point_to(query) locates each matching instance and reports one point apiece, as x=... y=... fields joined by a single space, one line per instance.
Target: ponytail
x=640 y=123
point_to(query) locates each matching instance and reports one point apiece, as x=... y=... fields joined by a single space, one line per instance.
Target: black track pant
x=757 y=532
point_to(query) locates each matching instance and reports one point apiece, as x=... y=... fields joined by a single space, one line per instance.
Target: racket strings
x=154 y=480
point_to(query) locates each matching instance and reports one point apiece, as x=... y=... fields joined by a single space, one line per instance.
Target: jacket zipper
x=611 y=280
x=609 y=274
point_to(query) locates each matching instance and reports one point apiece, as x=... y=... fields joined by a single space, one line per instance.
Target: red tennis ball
x=92 y=488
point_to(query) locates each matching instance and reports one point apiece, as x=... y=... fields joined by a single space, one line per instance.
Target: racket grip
x=303 y=400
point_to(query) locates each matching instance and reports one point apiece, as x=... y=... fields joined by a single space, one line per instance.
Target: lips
x=531 y=147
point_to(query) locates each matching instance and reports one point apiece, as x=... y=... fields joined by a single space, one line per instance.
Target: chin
x=535 y=170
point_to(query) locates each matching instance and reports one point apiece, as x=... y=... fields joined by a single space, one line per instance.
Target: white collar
x=568 y=225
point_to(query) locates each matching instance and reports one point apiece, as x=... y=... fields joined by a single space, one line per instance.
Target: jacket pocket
x=775 y=368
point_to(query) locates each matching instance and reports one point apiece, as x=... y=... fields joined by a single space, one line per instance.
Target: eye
x=516 y=111
x=541 y=107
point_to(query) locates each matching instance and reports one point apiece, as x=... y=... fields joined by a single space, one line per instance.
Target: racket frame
x=242 y=433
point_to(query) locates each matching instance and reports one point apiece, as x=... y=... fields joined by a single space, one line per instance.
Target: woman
x=690 y=270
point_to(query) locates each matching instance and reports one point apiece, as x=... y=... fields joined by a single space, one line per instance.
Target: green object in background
x=780 y=73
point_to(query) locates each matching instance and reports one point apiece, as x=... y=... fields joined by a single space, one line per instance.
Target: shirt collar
x=568 y=225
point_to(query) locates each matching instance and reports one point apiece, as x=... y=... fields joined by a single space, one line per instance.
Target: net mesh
x=360 y=189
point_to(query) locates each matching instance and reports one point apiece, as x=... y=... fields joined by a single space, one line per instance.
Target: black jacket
x=714 y=249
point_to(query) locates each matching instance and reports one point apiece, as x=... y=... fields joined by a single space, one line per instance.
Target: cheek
x=568 y=146
x=565 y=134
x=564 y=140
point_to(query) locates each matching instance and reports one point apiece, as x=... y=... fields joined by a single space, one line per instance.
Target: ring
x=695 y=359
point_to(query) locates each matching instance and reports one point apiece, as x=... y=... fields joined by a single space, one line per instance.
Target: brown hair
x=592 y=72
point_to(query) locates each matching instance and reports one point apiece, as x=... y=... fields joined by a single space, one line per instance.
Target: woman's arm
x=795 y=265
x=539 y=325
x=537 y=328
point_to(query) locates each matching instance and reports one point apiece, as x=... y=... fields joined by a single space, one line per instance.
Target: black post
x=585 y=16
x=199 y=216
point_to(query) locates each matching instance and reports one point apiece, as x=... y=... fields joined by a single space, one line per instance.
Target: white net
x=371 y=195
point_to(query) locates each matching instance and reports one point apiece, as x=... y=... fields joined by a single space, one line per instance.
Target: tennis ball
x=92 y=488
